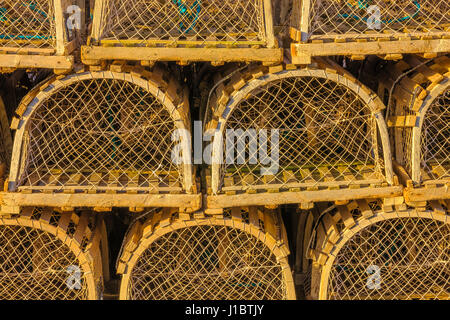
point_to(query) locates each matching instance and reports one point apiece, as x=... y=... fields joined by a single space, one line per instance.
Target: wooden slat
x=46 y=214
x=113 y=181
x=81 y=228
x=236 y=214
x=253 y=217
x=302 y=53
x=53 y=180
x=328 y=177
x=248 y=181
x=74 y=180
x=307 y=177
x=89 y=53
x=153 y=184
x=19 y=61
x=365 y=209
x=437 y=207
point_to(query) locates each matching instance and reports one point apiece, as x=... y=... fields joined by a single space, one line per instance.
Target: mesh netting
x=207 y=262
x=34 y=265
x=327 y=135
x=401 y=258
x=435 y=145
x=355 y=19
x=28 y=23
x=169 y=21
x=102 y=134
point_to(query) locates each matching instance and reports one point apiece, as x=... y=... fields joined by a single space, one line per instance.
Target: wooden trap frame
x=365 y=252
x=5 y=142
x=332 y=138
x=33 y=34
x=43 y=253
x=419 y=121
x=103 y=139
x=238 y=255
x=183 y=31
x=370 y=27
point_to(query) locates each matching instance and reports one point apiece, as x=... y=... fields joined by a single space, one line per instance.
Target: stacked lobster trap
x=359 y=28
x=419 y=118
x=34 y=34
x=325 y=138
x=106 y=138
x=50 y=255
x=364 y=251
x=368 y=172
x=238 y=255
x=183 y=31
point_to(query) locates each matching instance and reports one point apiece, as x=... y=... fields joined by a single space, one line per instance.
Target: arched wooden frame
x=179 y=114
x=281 y=251
x=361 y=224
x=90 y=260
x=57 y=28
x=368 y=97
x=423 y=106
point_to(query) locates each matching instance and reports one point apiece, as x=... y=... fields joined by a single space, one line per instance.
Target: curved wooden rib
x=164 y=88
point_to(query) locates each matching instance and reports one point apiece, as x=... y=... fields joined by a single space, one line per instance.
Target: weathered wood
x=181 y=54
x=225 y=201
x=268 y=234
x=19 y=61
x=268 y=22
x=102 y=200
x=427 y=194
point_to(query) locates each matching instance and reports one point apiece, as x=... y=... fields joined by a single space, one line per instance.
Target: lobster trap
x=420 y=118
x=183 y=30
x=5 y=142
x=104 y=133
x=382 y=27
x=34 y=34
x=295 y=131
x=240 y=255
x=365 y=253
x=48 y=255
